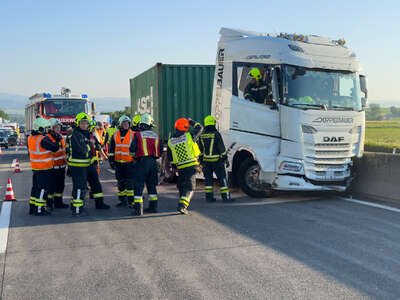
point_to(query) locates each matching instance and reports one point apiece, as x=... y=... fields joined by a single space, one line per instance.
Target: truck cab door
x=255 y=122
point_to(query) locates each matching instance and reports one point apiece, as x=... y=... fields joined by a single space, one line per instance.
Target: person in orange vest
x=102 y=136
x=60 y=163
x=121 y=159
x=41 y=149
x=147 y=149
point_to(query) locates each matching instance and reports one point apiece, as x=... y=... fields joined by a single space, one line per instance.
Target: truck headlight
x=290 y=166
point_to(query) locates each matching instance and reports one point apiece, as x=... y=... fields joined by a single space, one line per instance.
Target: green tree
x=3 y=115
x=374 y=112
x=116 y=114
x=394 y=111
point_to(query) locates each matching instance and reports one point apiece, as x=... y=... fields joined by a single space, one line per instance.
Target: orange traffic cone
x=17 y=169
x=9 y=192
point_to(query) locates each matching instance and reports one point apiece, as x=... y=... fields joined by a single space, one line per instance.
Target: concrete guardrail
x=378 y=176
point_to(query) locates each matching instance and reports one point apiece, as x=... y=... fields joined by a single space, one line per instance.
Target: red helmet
x=182 y=124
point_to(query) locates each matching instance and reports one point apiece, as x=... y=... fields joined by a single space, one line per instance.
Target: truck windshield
x=321 y=89
x=64 y=107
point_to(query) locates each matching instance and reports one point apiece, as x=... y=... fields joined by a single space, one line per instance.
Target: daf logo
x=334 y=120
x=333 y=139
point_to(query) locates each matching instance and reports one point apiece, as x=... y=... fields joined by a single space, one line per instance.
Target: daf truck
x=307 y=131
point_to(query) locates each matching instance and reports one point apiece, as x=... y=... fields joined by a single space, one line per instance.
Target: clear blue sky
x=95 y=46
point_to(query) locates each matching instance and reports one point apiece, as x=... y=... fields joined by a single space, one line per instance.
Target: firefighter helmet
x=210 y=120
x=182 y=124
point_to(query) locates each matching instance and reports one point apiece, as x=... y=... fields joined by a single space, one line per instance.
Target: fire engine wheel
x=248 y=178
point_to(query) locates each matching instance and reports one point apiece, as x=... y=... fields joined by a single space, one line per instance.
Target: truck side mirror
x=93 y=107
x=364 y=90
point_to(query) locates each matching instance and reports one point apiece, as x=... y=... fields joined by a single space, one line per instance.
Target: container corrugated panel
x=176 y=91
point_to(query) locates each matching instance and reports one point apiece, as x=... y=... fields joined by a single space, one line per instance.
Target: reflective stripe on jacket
x=148 y=144
x=41 y=159
x=122 y=153
x=184 y=151
x=59 y=157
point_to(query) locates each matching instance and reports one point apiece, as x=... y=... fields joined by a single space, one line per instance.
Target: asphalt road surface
x=292 y=246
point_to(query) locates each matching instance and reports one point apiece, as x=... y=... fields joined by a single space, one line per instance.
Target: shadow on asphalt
x=316 y=229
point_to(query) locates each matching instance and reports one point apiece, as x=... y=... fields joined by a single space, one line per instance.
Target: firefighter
x=147 y=149
x=82 y=165
x=256 y=90
x=102 y=137
x=183 y=153
x=60 y=162
x=121 y=159
x=41 y=149
x=135 y=123
x=213 y=158
x=111 y=130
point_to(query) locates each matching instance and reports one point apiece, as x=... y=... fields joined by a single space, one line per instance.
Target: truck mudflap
x=297 y=183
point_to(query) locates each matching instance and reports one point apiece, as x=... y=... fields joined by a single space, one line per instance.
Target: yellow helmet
x=136 y=120
x=82 y=116
x=255 y=73
x=209 y=120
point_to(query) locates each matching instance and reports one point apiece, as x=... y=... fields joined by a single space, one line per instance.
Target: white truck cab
x=305 y=130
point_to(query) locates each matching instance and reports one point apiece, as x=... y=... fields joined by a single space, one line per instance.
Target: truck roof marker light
x=84 y=96
x=296 y=48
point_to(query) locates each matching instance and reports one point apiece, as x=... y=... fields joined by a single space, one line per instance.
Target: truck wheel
x=248 y=178
x=167 y=172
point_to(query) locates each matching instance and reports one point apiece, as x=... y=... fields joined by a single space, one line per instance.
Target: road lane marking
x=372 y=204
x=4 y=225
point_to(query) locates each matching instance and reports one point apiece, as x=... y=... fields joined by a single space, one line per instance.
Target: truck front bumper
x=297 y=183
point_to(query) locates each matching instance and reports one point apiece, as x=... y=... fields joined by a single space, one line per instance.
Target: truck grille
x=328 y=161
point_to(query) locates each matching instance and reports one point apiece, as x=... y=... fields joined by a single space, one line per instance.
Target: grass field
x=382 y=136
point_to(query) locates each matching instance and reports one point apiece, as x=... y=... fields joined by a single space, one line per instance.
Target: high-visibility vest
x=100 y=135
x=59 y=157
x=41 y=159
x=111 y=131
x=184 y=151
x=122 y=153
x=148 y=144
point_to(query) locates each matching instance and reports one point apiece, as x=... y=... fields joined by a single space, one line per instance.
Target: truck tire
x=167 y=172
x=247 y=178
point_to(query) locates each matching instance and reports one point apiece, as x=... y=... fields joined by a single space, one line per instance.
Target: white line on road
x=371 y=204
x=4 y=225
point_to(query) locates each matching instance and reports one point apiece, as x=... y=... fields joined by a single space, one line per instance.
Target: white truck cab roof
x=308 y=51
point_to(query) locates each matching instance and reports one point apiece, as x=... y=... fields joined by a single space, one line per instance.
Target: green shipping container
x=169 y=92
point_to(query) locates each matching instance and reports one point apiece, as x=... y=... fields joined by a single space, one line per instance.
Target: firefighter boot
x=182 y=209
x=58 y=203
x=41 y=211
x=225 y=195
x=32 y=209
x=152 y=207
x=122 y=201
x=99 y=204
x=209 y=194
x=138 y=209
